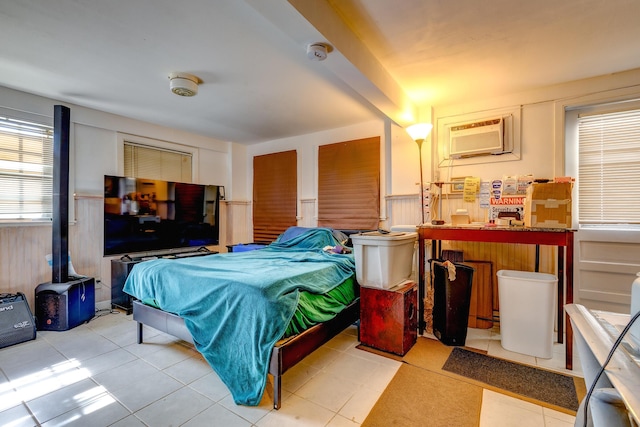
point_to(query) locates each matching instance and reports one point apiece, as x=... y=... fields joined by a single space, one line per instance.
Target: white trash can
x=527 y=307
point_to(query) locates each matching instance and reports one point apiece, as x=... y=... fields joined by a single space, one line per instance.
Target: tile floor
x=96 y=375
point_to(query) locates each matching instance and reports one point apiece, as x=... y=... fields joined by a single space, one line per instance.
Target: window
x=275 y=189
x=26 y=170
x=141 y=161
x=349 y=185
x=609 y=165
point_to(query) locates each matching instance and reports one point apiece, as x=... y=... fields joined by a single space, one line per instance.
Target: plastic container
x=527 y=304
x=415 y=262
x=383 y=260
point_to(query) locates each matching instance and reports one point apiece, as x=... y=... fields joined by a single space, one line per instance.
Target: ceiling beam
x=351 y=61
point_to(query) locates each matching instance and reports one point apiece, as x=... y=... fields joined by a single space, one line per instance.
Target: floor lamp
x=419 y=133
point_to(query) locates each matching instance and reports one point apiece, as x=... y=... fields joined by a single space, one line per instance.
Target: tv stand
x=121 y=267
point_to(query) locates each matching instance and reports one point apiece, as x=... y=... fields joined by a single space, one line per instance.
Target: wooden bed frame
x=286 y=352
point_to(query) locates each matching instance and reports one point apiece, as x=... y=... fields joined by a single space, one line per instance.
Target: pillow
x=340 y=237
x=290 y=233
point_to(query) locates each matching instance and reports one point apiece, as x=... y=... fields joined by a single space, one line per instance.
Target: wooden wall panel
x=403 y=210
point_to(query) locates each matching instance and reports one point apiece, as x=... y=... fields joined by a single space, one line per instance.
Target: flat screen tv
x=149 y=215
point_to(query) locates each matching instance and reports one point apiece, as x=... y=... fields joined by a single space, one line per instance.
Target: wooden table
x=562 y=238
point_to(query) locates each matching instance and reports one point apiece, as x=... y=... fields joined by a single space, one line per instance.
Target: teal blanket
x=237 y=305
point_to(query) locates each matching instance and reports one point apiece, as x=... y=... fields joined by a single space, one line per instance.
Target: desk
x=562 y=238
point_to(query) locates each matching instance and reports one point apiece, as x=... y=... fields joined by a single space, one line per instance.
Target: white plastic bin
x=383 y=260
x=527 y=307
x=415 y=262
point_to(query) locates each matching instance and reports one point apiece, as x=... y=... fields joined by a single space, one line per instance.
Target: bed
x=242 y=310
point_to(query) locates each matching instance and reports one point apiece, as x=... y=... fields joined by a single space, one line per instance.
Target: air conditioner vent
x=478 y=138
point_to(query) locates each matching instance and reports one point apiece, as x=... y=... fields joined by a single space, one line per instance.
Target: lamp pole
x=419 y=142
x=419 y=132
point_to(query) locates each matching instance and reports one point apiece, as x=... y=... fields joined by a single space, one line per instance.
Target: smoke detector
x=183 y=84
x=318 y=51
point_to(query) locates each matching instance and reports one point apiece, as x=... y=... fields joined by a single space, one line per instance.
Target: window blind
x=275 y=188
x=26 y=170
x=609 y=167
x=142 y=161
x=349 y=184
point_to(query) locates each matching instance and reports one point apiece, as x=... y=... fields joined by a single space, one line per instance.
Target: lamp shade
x=419 y=131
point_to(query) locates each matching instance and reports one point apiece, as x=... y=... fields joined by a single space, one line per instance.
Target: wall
x=95 y=150
x=307 y=151
x=542 y=154
x=601 y=281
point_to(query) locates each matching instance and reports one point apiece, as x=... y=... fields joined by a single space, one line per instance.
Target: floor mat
x=417 y=397
x=545 y=386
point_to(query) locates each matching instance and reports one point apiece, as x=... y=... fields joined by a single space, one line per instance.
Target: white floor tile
x=130 y=421
x=218 y=415
x=189 y=369
x=210 y=386
x=340 y=421
x=322 y=357
x=174 y=409
x=102 y=410
x=252 y=413
x=504 y=411
x=65 y=399
x=298 y=375
x=146 y=391
x=17 y=416
x=322 y=390
x=352 y=368
x=97 y=374
x=359 y=405
x=106 y=361
x=125 y=376
x=297 y=412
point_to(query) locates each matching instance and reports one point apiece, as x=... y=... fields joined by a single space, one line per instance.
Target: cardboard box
x=548 y=205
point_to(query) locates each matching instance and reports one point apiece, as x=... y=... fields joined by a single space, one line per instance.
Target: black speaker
x=16 y=321
x=62 y=306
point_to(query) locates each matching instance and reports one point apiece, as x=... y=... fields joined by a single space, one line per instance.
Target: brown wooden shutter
x=274 y=194
x=349 y=184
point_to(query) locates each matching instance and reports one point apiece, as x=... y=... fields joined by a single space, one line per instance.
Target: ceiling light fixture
x=183 y=84
x=318 y=51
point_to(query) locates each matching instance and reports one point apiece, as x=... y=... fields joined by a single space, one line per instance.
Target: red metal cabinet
x=389 y=318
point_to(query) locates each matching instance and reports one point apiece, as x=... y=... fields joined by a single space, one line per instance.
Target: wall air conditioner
x=479 y=138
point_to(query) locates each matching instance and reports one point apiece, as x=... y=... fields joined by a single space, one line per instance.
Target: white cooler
x=383 y=260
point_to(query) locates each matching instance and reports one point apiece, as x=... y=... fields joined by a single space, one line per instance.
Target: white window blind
x=156 y=163
x=609 y=167
x=26 y=170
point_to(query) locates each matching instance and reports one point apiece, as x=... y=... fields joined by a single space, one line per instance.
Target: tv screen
x=148 y=215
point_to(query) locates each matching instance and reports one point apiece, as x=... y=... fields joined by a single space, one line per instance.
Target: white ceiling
x=257 y=83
